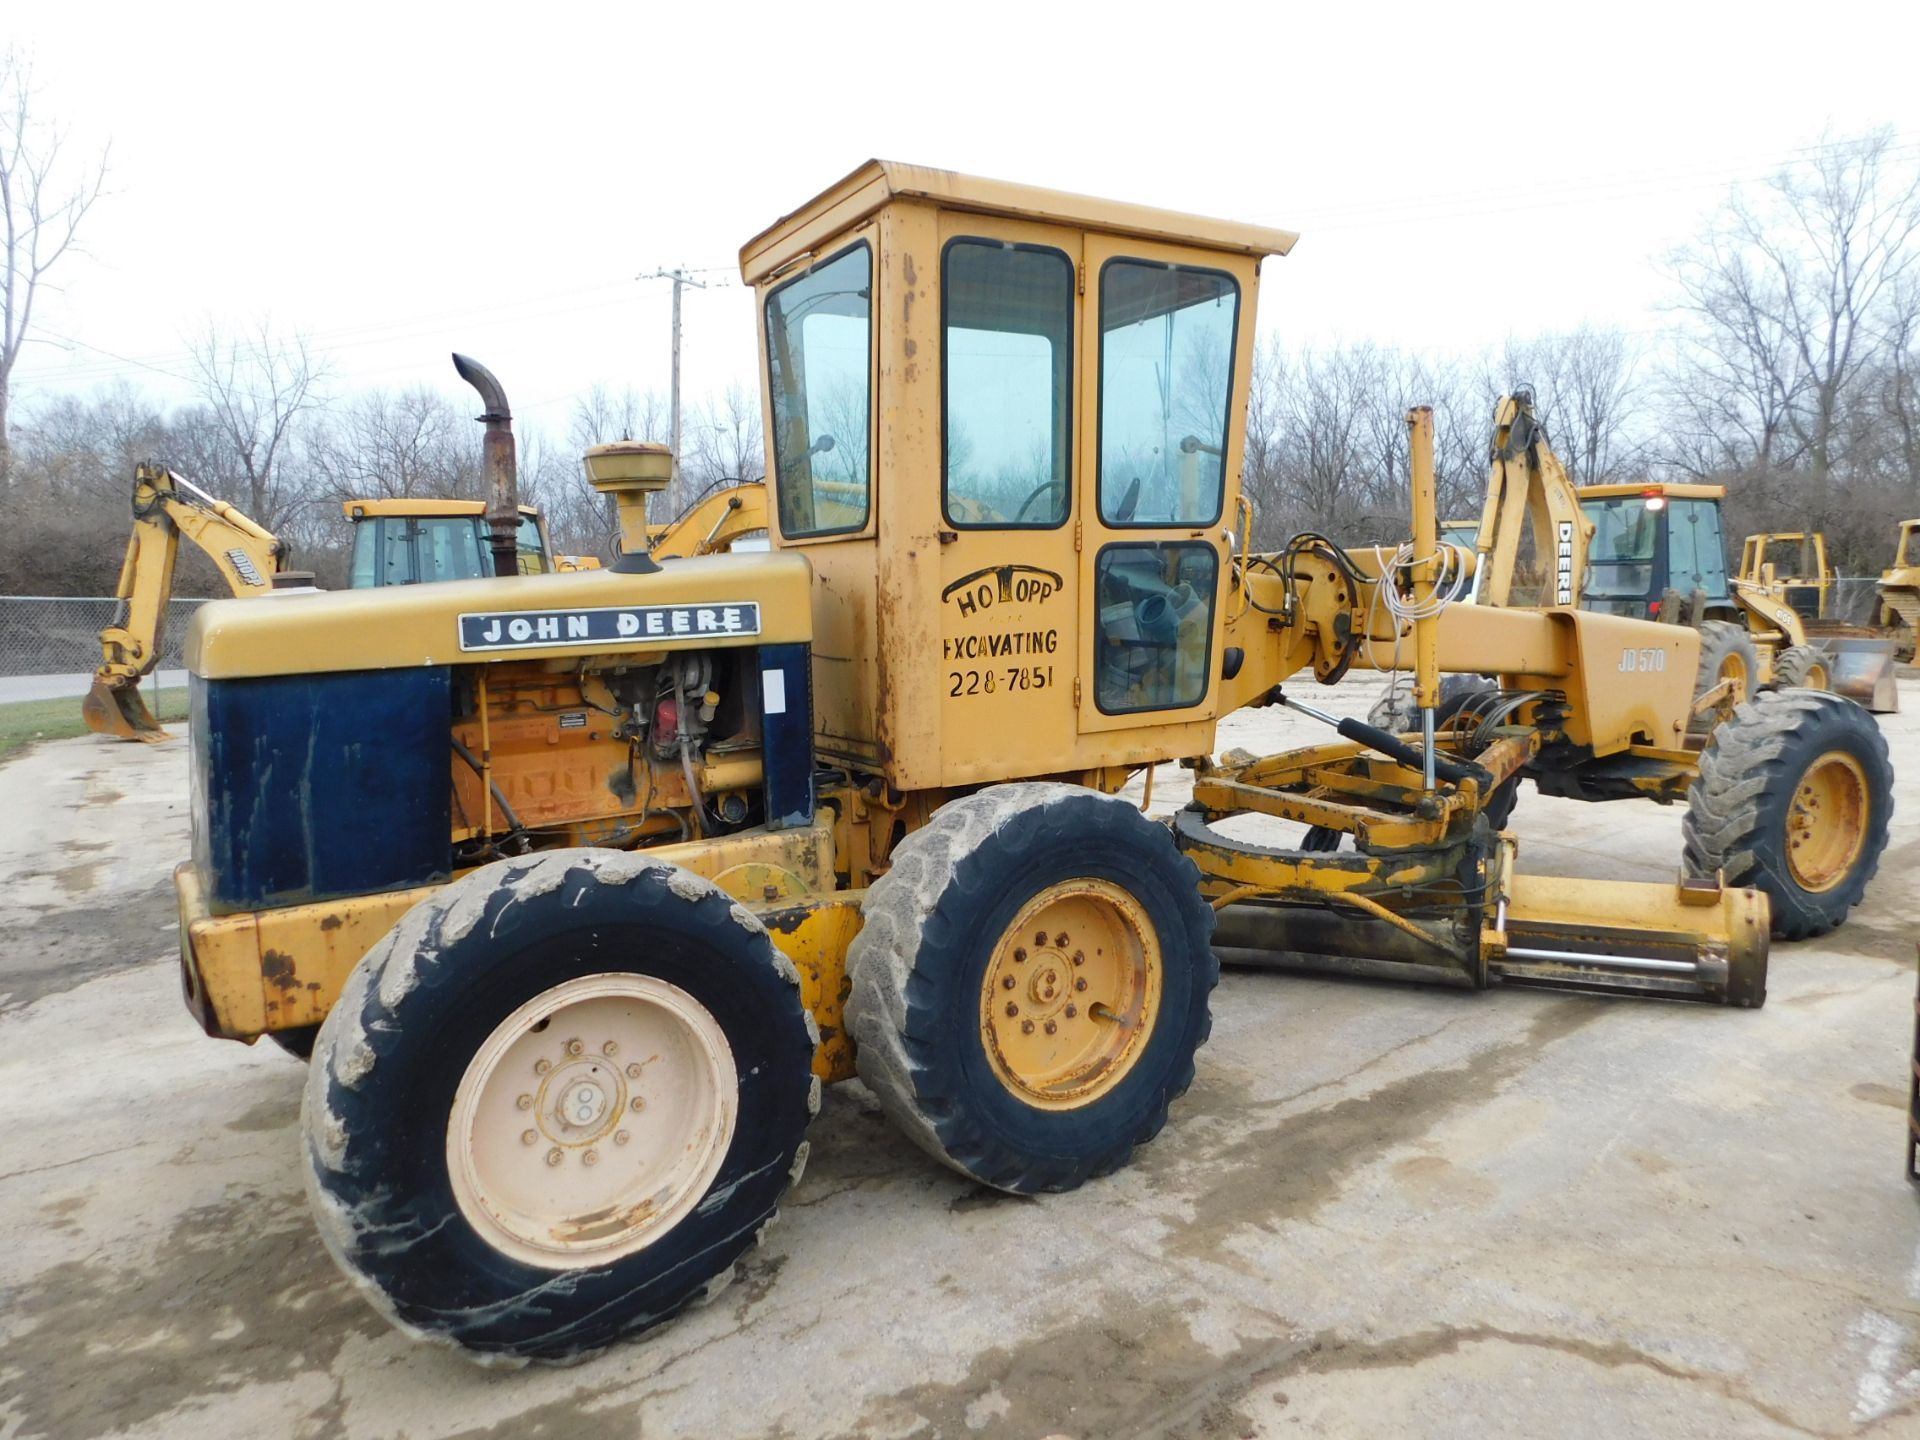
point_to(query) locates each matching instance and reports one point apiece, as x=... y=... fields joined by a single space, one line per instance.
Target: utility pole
x=681 y=278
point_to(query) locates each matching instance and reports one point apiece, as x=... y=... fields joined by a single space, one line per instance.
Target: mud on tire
x=940 y=919
x=417 y=1017
x=1749 y=805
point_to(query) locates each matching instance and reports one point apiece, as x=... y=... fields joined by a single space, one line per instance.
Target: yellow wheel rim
x=1817 y=678
x=1827 y=821
x=1733 y=666
x=1071 y=994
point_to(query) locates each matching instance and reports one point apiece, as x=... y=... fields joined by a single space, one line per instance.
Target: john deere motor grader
x=595 y=878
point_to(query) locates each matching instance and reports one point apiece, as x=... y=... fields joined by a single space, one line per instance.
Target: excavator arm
x=712 y=524
x=167 y=506
x=1527 y=483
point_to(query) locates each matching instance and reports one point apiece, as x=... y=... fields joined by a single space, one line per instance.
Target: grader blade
x=120 y=711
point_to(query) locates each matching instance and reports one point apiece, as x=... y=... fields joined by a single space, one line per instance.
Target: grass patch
x=25 y=721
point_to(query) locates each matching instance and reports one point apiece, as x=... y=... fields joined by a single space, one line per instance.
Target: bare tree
x=406 y=444
x=1790 y=294
x=253 y=390
x=42 y=211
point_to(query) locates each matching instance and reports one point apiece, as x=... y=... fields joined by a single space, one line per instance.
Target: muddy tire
x=1793 y=798
x=1803 y=667
x=1031 y=984
x=556 y=1103
x=1726 y=652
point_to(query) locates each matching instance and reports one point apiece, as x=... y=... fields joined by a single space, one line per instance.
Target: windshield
x=1620 y=556
x=401 y=550
x=819 y=369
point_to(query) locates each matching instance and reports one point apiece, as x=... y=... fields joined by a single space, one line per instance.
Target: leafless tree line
x=265 y=432
x=1789 y=371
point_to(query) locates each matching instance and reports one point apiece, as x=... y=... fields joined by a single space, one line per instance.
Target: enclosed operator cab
x=1649 y=539
x=418 y=542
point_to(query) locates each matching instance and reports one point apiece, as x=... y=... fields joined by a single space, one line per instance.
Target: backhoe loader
x=591 y=882
x=396 y=542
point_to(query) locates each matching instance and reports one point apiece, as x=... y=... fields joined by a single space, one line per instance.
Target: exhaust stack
x=498 y=464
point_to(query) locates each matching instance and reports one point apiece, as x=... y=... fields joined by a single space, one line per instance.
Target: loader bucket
x=1863 y=671
x=120 y=711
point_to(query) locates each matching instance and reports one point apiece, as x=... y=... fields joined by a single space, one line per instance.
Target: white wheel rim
x=626 y=1086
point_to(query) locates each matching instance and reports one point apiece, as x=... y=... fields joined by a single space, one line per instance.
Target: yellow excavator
x=396 y=542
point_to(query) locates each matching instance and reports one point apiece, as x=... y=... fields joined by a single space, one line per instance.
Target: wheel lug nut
x=1020 y=952
x=1026 y=1027
x=1051 y=1027
x=525 y=1102
x=592 y=1157
x=1079 y=957
x=609 y=1049
x=1008 y=982
x=1012 y=1009
x=620 y=1137
x=554 y=1156
x=1060 y=941
x=540 y=1067
x=527 y=1137
x=1072 y=1011
x=1081 y=983
x=574 y=1047
x=633 y=1072
x=639 y=1103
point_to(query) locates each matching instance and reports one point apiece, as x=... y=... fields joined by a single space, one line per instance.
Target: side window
x=1153 y=605
x=1695 y=559
x=1008 y=375
x=1166 y=378
x=366 y=548
x=528 y=546
x=819 y=374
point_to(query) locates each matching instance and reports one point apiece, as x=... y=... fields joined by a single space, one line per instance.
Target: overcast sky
x=494 y=179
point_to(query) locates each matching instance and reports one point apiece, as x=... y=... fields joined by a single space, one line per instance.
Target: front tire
x=1803 y=667
x=1727 y=652
x=1793 y=798
x=1031 y=984
x=556 y=1103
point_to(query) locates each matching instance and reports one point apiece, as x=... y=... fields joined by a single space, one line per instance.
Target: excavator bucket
x=1863 y=671
x=120 y=711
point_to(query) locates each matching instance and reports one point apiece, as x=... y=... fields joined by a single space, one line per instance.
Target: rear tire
x=473 y=1217
x=986 y=1043
x=1803 y=667
x=1726 y=652
x=1793 y=798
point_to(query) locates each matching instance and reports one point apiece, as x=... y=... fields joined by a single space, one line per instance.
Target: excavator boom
x=167 y=506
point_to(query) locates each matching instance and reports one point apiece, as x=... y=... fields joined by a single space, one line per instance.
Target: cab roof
x=1653 y=487
x=878 y=182
x=420 y=509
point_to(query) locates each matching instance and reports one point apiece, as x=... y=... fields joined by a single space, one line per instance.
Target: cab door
x=1009 y=420
x=1161 y=334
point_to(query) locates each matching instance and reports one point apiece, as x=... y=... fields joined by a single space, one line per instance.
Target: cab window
x=1166 y=379
x=530 y=546
x=819 y=375
x=1620 y=557
x=1696 y=556
x=1007 y=367
x=404 y=550
x=1154 y=613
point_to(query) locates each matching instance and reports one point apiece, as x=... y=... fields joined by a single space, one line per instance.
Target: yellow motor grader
x=590 y=881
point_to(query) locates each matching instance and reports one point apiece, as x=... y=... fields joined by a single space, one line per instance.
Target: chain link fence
x=60 y=634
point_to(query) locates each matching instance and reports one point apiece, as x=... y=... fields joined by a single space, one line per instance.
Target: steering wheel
x=1044 y=487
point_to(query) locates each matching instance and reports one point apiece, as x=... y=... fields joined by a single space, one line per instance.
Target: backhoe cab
x=594 y=879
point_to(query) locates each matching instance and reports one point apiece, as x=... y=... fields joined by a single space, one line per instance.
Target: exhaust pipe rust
x=498 y=464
